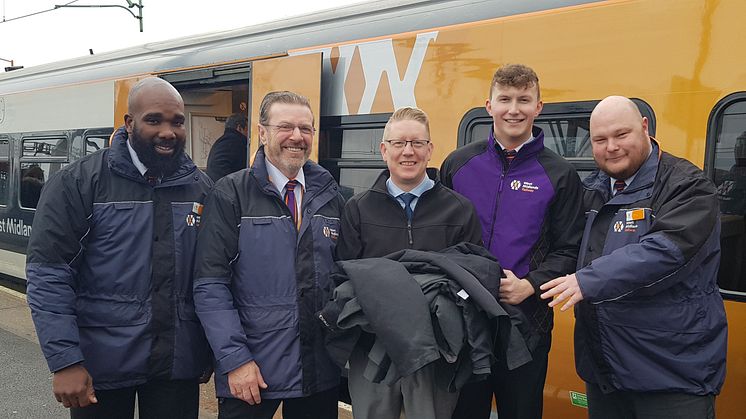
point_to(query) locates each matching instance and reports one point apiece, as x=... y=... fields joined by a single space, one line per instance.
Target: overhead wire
x=33 y=14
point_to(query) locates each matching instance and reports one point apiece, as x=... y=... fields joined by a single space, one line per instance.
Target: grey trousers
x=419 y=396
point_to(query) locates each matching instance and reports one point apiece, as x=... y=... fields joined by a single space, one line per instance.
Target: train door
x=210 y=96
x=725 y=163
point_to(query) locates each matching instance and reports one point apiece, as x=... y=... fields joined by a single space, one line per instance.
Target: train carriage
x=678 y=59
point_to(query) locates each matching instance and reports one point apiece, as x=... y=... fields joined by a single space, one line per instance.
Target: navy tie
x=408 y=198
x=619 y=186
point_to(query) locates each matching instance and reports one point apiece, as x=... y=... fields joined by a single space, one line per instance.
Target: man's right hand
x=73 y=387
x=245 y=382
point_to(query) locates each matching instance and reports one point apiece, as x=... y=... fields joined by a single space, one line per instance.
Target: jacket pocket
x=93 y=312
x=258 y=320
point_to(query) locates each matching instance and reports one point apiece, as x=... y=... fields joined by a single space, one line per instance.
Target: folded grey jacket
x=422 y=306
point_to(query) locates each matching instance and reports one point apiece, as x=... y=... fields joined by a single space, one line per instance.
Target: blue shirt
x=417 y=191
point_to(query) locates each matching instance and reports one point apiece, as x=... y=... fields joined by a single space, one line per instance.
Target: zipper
x=497 y=204
x=409 y=233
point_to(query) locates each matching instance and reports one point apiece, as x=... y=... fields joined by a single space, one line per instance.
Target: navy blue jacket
x=652 y=318
x=110 y=270
x=259 y=281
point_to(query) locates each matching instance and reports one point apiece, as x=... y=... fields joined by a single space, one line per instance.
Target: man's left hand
x=514 y=290
x=563 y=288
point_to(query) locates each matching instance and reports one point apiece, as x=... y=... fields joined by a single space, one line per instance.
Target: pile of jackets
x=411 y=308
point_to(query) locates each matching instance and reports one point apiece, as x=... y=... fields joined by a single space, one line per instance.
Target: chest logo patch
x=524 y=186
x=193 y=218
x=330 y=233
x=618 y=226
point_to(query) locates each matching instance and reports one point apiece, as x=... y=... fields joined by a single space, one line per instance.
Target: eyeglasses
x=399 y=144
x=289 y=128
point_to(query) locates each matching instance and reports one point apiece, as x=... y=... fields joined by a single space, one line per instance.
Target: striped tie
x=290 y=198
x=510 y=155
x=619 y=186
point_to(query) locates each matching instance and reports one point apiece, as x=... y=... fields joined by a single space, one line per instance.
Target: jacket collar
x=528 y=150
x=640 y=186
x=120 y=162
x=316 y=177
x=380 y=184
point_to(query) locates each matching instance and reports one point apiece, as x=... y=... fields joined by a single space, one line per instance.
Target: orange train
x=678 y=58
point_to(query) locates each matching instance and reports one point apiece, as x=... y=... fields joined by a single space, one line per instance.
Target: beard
x=157 y=164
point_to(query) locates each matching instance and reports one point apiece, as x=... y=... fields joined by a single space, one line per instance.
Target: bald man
x=650 y=330
x=110 y=269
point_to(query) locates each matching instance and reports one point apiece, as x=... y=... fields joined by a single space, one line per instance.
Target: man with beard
x=110 y=269
x=265 y=252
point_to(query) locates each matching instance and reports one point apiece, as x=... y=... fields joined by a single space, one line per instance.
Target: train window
x=87 y=144
x=349 y=148
x=45 y=147
x=41 y=158
x=566 y=129
x=726 y=165
x=4 y=170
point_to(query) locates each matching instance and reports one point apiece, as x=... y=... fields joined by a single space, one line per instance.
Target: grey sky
x=71 y=32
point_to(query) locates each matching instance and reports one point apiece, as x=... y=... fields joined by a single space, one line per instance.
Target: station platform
x=25 y=381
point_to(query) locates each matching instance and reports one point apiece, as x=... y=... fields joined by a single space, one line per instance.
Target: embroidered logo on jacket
x=524 y=186
x=193 y=218
x=330 y=233
x=618 y=226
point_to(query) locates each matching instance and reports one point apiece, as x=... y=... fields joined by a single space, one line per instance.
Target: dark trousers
x=156 y=399
x=321 y=405
x=634 y=405
x=519 y=393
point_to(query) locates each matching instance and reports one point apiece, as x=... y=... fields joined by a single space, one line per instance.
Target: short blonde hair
x=407 y=113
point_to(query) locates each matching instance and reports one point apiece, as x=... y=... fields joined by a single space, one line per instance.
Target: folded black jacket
x=422 y=306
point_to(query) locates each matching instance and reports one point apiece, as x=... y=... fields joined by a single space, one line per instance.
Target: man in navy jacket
x=110 y=269
x=265 y=252
x=650 y=330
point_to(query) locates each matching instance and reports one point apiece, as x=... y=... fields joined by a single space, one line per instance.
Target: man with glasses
x=406 y=208
x=264 y=256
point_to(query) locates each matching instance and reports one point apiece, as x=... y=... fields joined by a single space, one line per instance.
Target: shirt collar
x=279 y=180
x=629 y=180
x=517 y=149
x=418 y=190
x=136 y=160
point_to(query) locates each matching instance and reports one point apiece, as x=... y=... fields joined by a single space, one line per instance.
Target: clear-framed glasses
x=289 y=128
x=400 y=144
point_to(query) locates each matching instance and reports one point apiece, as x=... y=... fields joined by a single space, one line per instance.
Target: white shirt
x=136 y=160
x=517 y=149
x=279 y=180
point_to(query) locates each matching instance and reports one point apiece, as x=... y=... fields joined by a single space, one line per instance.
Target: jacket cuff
x=64 y=359
x=234 y=360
